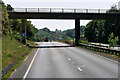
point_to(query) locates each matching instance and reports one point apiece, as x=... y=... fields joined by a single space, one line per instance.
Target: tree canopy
x=99 y=30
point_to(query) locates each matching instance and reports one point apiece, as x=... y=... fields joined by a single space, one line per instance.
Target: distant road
x=69 y=62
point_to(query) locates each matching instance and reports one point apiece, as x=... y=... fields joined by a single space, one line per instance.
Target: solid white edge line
x=109 y=59
x=80 y=69
x=30 y=65
x=13 y=73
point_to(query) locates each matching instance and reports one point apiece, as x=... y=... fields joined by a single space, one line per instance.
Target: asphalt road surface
x=68 y=62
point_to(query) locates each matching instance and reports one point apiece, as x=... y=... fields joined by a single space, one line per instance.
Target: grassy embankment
x=12 y=51
x=0 y=53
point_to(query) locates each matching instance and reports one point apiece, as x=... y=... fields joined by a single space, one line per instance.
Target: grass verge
x=13 y=69
x=12 y=50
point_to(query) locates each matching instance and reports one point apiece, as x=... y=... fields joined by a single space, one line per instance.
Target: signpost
x=23 y=31
x=23 y=35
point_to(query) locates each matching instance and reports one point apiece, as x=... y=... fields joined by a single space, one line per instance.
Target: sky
x=60 y=24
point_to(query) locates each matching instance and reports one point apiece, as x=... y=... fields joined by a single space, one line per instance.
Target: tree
x=99 y=30
x=9 y=7
x=113 y=41
x=5 y=19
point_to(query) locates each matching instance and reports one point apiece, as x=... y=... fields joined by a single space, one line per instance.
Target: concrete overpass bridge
x=57 y=13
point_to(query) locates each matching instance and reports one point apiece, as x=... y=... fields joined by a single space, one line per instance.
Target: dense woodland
x=95 y=31
x=14 y=27
x=100 y=30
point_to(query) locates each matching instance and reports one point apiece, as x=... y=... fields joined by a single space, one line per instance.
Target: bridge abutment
x=77 y=31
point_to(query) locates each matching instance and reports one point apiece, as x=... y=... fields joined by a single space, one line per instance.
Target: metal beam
x=85 y=16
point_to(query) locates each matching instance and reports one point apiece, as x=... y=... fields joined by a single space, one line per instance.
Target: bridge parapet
x=60 y=10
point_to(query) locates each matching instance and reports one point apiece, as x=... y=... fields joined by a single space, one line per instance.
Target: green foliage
x=82 y=30
x=13 y=27
x=9 y=7
x=5 y=20
x=42 y=34
x=83 y=41
x=66 y=38
x=70 y=33
x=113 y=41
x=99 y=30
x=31 y=31
x=113 y=9
x=17 y=36
x=11 y=50
x=94 y=31
x=66 y=35
x=12 y=47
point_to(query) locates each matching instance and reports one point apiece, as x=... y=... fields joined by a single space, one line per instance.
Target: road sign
x=23 y=34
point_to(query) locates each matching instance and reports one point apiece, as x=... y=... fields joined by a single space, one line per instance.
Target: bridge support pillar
x=24 y=31
x=77 y=31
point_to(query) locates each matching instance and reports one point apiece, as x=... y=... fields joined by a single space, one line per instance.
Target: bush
x=113 y=40
x=17 y=36
x=83 y=41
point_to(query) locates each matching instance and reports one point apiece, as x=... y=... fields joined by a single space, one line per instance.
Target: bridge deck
x=44 y=13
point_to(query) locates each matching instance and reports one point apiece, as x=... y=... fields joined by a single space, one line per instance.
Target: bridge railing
x=60 y=10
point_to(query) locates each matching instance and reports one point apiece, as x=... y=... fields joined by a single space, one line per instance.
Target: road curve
x=70 y=62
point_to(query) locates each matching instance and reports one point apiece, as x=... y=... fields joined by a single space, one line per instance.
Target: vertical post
x=77 y=31
x=86 y=10
x=38 y=9
x=98 y=10
x=24 y=31
x=74 y=10
x=50 y=10
x=62 y=10
x=26 y=9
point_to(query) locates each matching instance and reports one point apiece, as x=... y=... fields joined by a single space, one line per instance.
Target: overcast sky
x=60 y=24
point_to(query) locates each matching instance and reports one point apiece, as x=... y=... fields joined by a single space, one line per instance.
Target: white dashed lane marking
x=69 y=59
x=80 y=69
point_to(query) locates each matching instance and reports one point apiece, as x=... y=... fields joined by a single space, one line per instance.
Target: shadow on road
x=51 y=46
